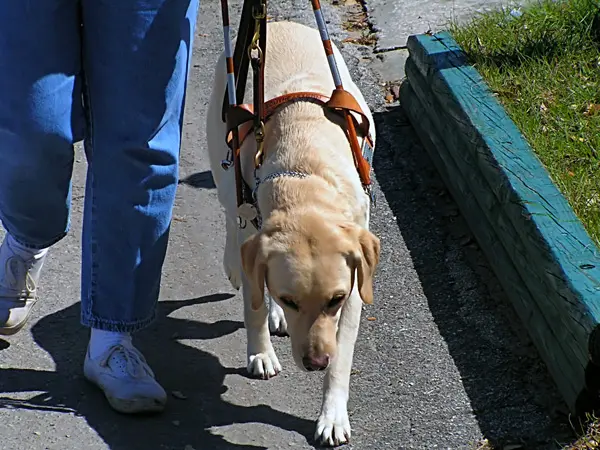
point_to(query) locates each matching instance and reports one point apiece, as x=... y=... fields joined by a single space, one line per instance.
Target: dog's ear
x=254 y=263
x=366 y=257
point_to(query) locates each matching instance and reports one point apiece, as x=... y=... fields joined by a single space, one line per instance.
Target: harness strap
x=241 y=61
x=340 y=101
x=242 y=114
x=257 y=53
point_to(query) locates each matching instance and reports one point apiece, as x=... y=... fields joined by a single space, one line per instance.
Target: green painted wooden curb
x=538 y=248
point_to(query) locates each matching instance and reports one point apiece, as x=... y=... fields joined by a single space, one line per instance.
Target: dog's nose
x=313 y=363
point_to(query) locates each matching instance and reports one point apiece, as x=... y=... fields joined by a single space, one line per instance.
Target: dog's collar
x=273 y=176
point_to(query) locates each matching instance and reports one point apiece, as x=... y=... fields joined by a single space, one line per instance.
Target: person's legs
x=40 y=118
x=136 y=60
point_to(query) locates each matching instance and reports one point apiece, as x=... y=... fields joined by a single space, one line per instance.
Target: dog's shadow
x=199 y=375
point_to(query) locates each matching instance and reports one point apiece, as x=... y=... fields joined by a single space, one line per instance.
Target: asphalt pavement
x=441 y=360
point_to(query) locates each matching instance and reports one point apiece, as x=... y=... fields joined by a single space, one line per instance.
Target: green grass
x=543 y=63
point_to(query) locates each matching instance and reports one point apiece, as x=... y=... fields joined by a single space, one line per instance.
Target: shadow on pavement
x=199 y=375
x=512 y=396
x=199 y=180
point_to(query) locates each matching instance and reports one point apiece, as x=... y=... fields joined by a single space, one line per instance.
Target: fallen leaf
x=389 y=98
x=371 y=318
x=178 y=395
x=543 y=108
x=571 y=174
x=591 y=109
x=482 y=444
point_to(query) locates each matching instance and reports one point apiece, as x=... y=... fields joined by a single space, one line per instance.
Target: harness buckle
x=254 y=47
x=259 y=134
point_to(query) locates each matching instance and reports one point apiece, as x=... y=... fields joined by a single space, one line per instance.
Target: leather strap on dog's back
x=341 y=100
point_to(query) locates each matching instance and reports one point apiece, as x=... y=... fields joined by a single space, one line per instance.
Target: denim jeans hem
x=117 y=326
x=43 y=246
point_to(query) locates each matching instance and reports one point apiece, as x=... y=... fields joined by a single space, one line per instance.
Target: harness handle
x=364 y=170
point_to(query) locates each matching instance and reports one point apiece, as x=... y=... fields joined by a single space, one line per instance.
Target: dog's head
x=309 y=266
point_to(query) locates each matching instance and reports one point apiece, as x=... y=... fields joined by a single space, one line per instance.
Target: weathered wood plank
x=524 y=260
x=570 y=373
x=431 y=58
x=547 y=245
x=540 y=215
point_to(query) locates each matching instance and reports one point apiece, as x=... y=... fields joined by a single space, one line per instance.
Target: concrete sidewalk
x=443 y=364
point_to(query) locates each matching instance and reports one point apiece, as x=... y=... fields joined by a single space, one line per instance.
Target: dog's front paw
x=333 y=426
x=277 y=322
x=264 y=365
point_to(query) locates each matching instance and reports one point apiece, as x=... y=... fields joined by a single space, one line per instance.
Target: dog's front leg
x=333 y=425
x=231 y=255
x=262 y=361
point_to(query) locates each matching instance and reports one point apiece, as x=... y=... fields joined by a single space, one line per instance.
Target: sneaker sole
x=137 y=406
x=131 y=406
x=9 y=331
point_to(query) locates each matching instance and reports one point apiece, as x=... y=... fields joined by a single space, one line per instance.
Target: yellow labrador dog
x=314 y=252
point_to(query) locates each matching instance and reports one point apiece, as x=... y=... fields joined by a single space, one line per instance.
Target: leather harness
x=242 y=119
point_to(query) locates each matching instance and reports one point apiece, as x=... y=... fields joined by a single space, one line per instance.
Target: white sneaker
x=126 y=379
x=18 y=285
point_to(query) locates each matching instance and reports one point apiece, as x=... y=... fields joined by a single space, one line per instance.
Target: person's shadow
x=198 y=374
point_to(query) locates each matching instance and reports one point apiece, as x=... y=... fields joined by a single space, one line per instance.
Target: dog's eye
x=289 y=303
x=336 y=301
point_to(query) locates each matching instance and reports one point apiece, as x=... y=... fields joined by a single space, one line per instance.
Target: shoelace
x=136 y=365
x=14 y=270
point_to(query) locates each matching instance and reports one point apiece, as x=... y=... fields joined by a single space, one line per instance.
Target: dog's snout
x=314 y=363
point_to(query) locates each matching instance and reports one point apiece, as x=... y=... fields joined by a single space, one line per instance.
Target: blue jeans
x=113 y=73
